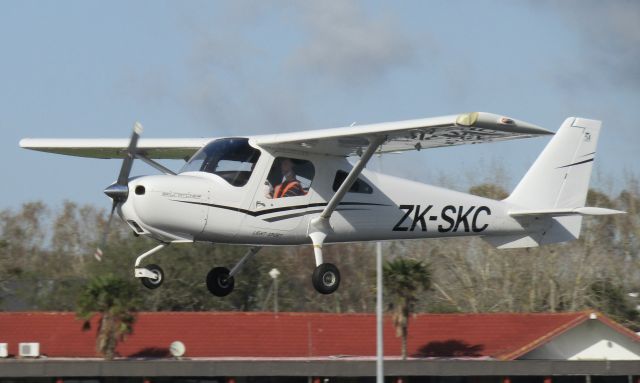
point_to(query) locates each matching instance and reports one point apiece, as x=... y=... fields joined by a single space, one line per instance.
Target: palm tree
x=114 y=300
x=404 y=279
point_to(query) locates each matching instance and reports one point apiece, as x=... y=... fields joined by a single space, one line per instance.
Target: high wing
x=469 y=128
x=154 y=148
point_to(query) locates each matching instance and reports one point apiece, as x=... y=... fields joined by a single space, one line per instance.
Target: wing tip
x=502 y=122
x=24 y=143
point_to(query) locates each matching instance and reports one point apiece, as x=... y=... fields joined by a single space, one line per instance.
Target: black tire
x=153 y=283
x=219 y=282
x=326 y=278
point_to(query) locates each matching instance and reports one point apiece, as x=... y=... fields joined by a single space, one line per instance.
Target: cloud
x=610 y=36
x=150 y=86
x=259 y=67
x=346 y=43
x=264 y=68
x=233 y=79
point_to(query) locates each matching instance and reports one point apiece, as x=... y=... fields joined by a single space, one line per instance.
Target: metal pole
x=274 y=274
x=379 y=317
x=379 y=330
x=275 y=300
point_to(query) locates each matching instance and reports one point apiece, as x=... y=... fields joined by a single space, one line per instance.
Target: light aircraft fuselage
x=300 y=188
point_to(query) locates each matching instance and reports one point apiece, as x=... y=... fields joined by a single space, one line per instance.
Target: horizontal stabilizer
x=555 y=229
x=562 y=212
x=512 y=241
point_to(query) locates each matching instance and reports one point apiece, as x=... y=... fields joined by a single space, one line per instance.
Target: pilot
x=290 y=186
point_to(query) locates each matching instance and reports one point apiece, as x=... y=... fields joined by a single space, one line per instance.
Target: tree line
x=46 y=260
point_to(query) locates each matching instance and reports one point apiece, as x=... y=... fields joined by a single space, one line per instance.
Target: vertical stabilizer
x=558 y=180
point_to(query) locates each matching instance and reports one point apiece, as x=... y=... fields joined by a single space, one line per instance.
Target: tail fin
x=555 y=185
x=560 y=176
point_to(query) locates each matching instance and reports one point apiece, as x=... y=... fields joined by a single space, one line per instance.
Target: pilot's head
x=286 y=166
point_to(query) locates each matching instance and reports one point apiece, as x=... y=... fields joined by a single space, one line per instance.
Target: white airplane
x=299 y=188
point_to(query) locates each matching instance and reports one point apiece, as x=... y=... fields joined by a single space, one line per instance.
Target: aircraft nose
x=162 y=204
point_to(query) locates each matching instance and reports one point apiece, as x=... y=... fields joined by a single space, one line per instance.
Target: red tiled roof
x=239 y=334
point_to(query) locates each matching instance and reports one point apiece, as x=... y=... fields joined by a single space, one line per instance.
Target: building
x=313 y=345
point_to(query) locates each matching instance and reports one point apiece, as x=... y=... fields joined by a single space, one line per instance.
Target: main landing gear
x=326 y=278
x=220 y=280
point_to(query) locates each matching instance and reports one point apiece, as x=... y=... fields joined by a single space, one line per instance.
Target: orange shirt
x=292 y=188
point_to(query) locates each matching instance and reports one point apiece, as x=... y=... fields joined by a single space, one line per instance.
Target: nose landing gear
x=151 y=276
x=153 y=282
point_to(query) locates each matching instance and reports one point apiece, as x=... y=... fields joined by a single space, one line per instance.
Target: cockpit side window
x=358 y=187
x=289 y=177
x=233 y=159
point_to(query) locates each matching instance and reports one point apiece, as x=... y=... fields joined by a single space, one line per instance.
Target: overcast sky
x=207 y=69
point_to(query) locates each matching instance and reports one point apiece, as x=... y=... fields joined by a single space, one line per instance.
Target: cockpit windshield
x=233 y=159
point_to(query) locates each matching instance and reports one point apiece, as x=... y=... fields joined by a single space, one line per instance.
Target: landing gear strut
x=326 y=276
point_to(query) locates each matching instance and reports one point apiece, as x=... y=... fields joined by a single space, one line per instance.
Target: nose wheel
x=326 y=278
x=151 y=275
x=219 y=282
x=155 y=281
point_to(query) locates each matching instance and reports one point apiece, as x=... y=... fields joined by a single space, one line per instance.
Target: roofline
x=544 y=339
x=584 y=316
x=617 y=326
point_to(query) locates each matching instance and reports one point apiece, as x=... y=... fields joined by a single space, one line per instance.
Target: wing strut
x=374 y=143
x=154 y=164
x=319 y=227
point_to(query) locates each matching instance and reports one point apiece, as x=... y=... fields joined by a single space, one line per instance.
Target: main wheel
x=152 y=283
x=326 y=278
x=219 y=282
